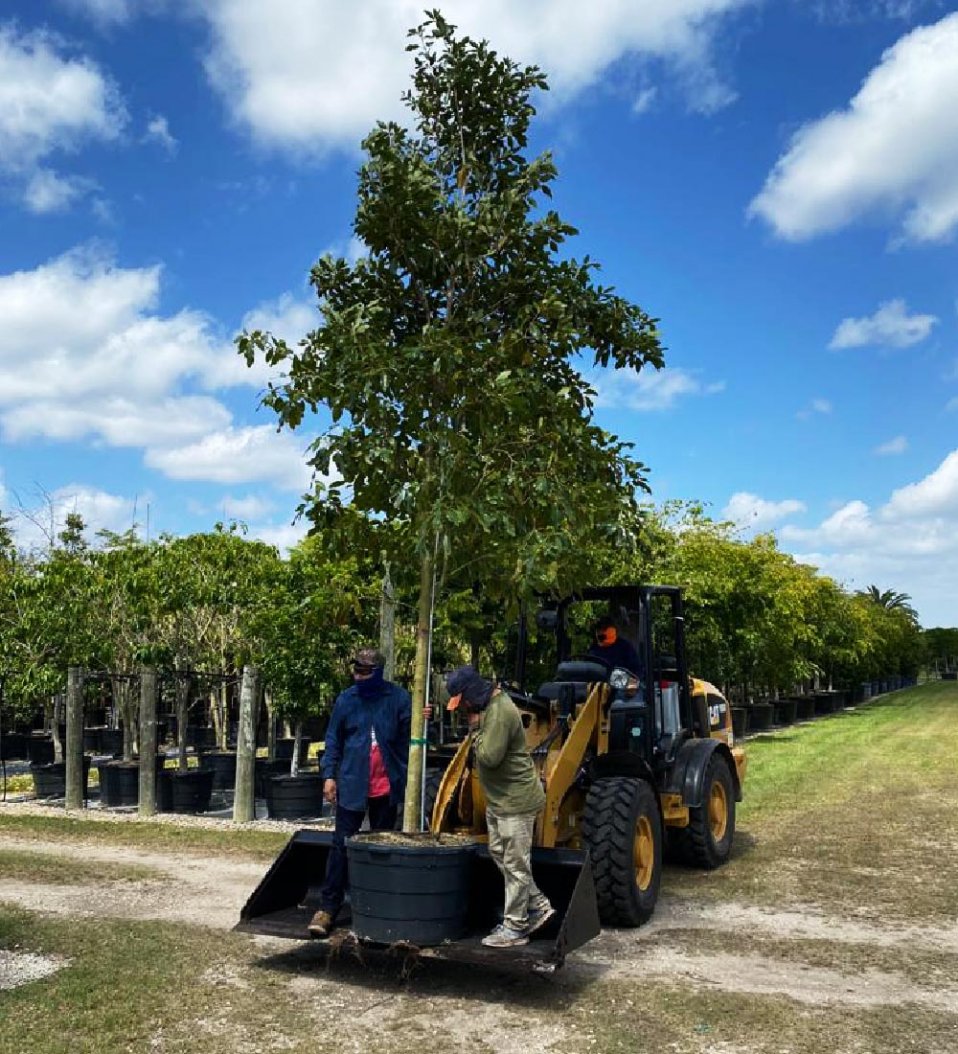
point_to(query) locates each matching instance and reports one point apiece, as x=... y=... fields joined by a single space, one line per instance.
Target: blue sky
x=777 y=180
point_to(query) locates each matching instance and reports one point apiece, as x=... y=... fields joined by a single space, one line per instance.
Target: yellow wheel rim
x=718 y=811
x=643 y=853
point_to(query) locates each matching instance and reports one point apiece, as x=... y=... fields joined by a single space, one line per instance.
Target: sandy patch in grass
x=17 y=968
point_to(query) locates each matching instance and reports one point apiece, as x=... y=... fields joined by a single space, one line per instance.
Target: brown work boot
x=320 y=924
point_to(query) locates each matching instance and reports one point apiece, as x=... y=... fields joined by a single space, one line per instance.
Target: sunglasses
x=363 y=669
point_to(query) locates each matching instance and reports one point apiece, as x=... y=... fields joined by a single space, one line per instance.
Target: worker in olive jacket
x=514 y=795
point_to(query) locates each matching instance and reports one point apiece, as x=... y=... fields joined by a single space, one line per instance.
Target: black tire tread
x=695 y=842
x=608 y=829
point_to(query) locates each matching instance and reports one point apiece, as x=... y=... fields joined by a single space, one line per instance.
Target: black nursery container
x=223 y=764
x=50 y=781
x=187 y=792
x=13 y=746
x=40 y=750
x=294 y=797
x=414 y=893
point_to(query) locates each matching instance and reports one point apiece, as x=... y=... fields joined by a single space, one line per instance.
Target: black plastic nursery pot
x=120 y=782
x=50 y=781
x=14 y=746
x=739 y=721
x=40 y=750
x=263 y=772
x=786 y=710
x=760 y=716
x=223 y=765
x=824 y=703
x=111 y=741
x=294 y=797
x=187 y=792
x=805 y=707
x=91 y=740
x=413 y=893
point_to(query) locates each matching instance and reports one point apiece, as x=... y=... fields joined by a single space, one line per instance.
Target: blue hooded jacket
x=349 y=741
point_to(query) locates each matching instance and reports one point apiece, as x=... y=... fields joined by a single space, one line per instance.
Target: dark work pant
x=382 y=817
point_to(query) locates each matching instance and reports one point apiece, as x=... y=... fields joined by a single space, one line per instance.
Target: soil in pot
x=404 y=888
x=294 y=797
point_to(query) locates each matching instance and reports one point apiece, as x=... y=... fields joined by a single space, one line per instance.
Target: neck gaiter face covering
x=371 y=686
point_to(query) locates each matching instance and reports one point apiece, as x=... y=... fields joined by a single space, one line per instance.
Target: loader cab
x=649 y=710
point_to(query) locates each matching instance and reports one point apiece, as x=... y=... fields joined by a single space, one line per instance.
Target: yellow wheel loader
x=635 y=764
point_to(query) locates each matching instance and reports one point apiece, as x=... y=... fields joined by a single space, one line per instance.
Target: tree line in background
x=758 y=622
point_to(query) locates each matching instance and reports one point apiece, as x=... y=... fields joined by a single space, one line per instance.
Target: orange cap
x=454 y=701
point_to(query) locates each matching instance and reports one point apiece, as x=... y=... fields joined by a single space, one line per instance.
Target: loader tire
x=707 y=841
x=622 y=829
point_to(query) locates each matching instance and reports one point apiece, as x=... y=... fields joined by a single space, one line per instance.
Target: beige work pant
x=510 y=846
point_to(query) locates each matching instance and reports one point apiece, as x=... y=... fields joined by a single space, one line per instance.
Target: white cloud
x=49 y=103
x=255 y=454
x=890 y=327
x=158 y=131
x=645 y=100
x=818 y=405
x=252 y=507
x=908 y=542
x=315 y=74
x=898 y=445
x=84 y=356
x=648 y=389
x=893 y=150
x=283 y=535
x=42 y=519
x=750 y=511
x=287 y=318
x=46 y=192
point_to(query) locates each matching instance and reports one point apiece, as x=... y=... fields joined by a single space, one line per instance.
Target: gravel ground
x=17 y=968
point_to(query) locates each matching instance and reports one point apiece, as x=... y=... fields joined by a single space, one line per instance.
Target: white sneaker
x=504 y=936
x=538 y=917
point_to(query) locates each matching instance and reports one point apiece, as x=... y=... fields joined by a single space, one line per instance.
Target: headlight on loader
x=623 y=681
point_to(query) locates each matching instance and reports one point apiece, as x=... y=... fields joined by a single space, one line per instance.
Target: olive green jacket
x=506 y=771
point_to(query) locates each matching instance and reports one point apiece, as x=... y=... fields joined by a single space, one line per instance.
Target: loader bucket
x=282 y=904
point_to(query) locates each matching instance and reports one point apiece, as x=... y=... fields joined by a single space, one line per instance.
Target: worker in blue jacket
x=364 y=765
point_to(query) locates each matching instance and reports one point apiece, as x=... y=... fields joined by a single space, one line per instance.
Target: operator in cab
x=613 y=649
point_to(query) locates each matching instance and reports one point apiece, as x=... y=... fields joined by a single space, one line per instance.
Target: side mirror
x=547 y=619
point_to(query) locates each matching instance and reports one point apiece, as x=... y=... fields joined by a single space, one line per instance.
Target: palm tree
x=890 y=600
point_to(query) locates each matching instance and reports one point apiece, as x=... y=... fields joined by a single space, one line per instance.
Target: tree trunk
x=413 y=804
x=270 y=726
x=387 y=626
x=74 y=744
x=148 y=696
x=297 y=739
x=182 y=716
x=56 y=706
x=243 y=799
